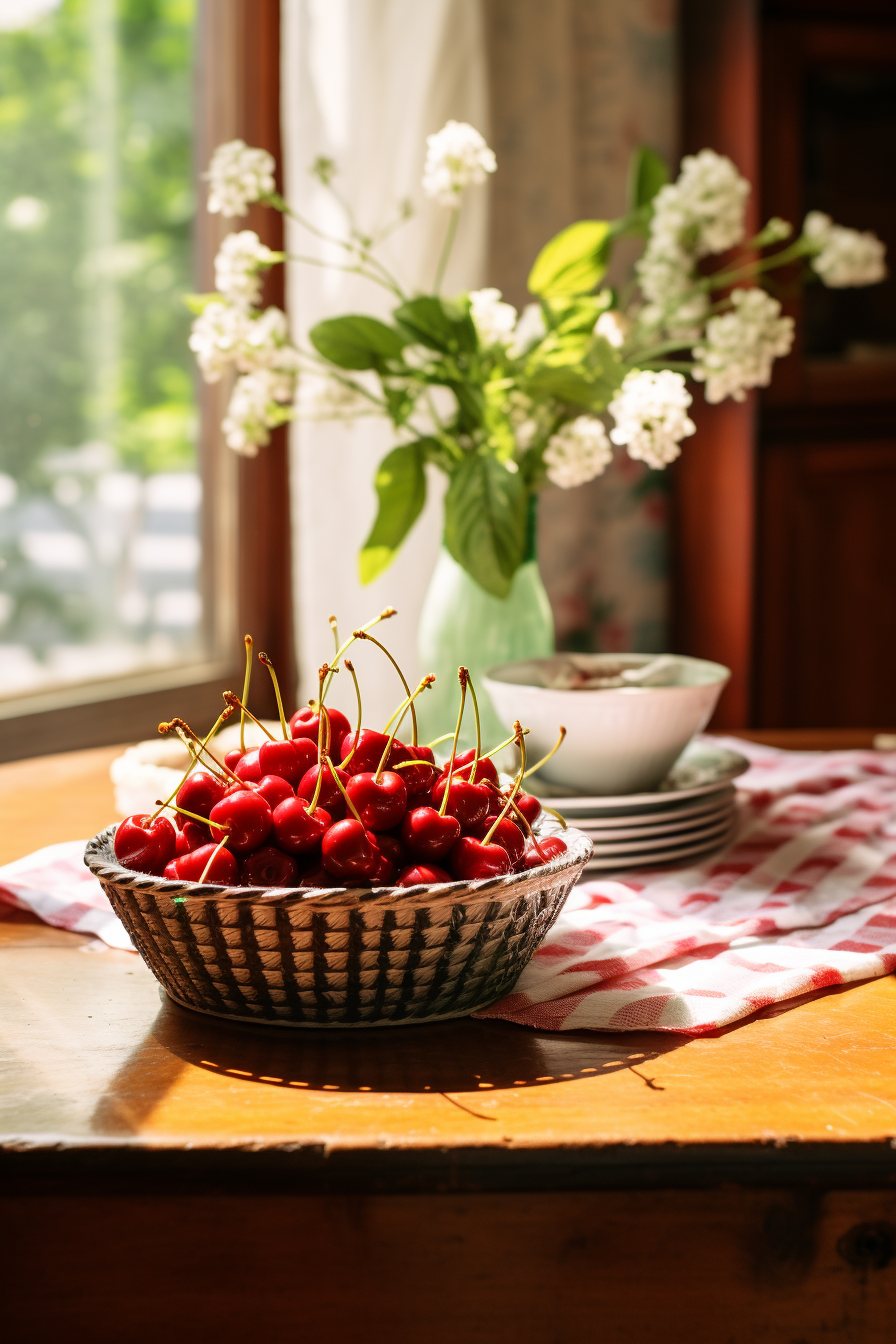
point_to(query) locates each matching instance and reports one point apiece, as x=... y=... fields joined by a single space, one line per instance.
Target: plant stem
x=462 y=677
x=446 y=248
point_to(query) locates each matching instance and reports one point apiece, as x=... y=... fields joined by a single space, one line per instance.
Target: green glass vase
x=463 y=624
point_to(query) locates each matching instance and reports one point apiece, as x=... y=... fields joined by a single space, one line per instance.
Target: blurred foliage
x=50 y=269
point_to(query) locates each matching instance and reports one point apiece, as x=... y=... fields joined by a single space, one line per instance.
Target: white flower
x=494 y=321
x=456 y=157
x=845 y=257
x=238 y=264
x=254 y=408
x=237 y=176
x=650 y=414
x=614 y=327
x=740 y=347
x=578 y=452
x=324 y=398
x=530 y=329
x=216 y=338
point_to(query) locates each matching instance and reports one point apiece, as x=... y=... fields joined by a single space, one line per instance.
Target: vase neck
x=531 y=551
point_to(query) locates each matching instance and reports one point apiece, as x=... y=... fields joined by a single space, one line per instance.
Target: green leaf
x=574 y=261
x=197 y=303
x=485 y=522
x=646 y=174
x=400 y=483
x=437 y=324
x=356 y=341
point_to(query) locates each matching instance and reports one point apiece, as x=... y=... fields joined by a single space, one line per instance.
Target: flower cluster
x=238 y=176
x=651 y=417
x=495 y=322
x=238 y=267
x=578 y=452
x=845 y=257
x=700 y=214
x=457 y=157
x=739 y=347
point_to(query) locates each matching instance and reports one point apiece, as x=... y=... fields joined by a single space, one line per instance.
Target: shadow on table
x=462 y=1056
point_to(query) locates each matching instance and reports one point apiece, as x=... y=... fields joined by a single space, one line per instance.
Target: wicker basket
x=339 y=957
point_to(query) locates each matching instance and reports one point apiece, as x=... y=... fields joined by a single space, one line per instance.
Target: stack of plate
x=692 y=813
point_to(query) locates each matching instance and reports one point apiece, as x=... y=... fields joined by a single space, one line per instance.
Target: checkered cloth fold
x=804 y=897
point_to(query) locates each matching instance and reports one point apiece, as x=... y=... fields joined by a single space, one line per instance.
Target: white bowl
x=621 y=740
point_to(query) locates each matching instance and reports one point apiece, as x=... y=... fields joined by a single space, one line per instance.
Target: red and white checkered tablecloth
x=804 y=897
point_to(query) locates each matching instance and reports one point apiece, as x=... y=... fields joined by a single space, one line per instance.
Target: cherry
x=296 y=829
x=190 y=867
x=191 y=836
x=485 y=769
x=470 y=859
x=244 y=817
x=306 y=723
x=329 y=796
x=384 y=873
x=249 y=767
x=171 y=869
x=145 y=844
x=198 y=793
x=348 y=850
x=418 y=779
x=233 y=757
x=529 y=806
x=290 y=759
x=468 y=802
x=371 y=746
x=426 y=835
x=550 y=846
x=317 y=877
x=269 y=867
x=505 y=834
x=274 y=789
x=422 y=872
x=380 y=803
x=392 y=847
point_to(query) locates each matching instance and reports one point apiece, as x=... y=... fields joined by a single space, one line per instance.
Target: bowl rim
x=100 y=859
x=492 y=674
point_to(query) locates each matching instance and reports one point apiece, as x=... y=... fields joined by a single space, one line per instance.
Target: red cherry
x=422 y=872
x=348 y=850
x=232 y=758
x=529 y=806
x=470 y=859
x=508 y=836
x=329 y=796
x=296 y=829
x=468 y=802
x=550 y=846
x=191 y=837
x=384 y=873
x=418 y=779
x=248 y=767
x=190 y=867
x=306 y=723
x=392 y=847
x=269 y=867
x=318 y=877
x=247 y=817
x=171 y=869
x=370 y=750
x=145 y=846
x=380 y=803
x=426 y=835
x=198 y=793
x=463 y=765
x=274 y=789
x=290 y=759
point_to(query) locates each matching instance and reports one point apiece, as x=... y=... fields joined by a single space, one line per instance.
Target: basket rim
x=99 y=857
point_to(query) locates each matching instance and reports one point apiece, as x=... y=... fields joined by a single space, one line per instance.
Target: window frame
x=246 y=517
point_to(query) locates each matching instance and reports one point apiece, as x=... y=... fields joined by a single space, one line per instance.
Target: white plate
x=636 y=834
x=701 y=768
x=661 y=858
x=630 y=849
x=667 y=818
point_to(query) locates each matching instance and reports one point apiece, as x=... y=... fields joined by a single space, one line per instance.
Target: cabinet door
x=827 y=584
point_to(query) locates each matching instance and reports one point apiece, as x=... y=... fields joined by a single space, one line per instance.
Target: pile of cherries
x=328 y=806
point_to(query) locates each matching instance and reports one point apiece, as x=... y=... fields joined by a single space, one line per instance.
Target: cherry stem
x=351 y=668
x=194 y=759
x=246 y=680
x=211 y=858
x=335 y=630
x=528 y=829
x=263 y=658
x=321 y=677
x=508 y=741
x=444 y=738
x=478 y=752
x=338 y=782
x=400 y=713
x=462 y=678
x=362 y=634
x=518 y=784
x=193 y=742
x=194 y=816
x=237 y=703
x=384 y=615
x=315 y=797
x=544 y=760
x=554 y=813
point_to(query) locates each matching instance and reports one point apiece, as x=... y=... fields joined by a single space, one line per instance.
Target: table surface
x=101 y=1075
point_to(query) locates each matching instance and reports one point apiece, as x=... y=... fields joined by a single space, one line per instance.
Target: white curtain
x=364 y=82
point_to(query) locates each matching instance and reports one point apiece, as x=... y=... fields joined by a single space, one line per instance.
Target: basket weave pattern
x=340 y=957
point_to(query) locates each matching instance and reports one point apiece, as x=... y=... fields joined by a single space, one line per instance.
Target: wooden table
x=167 y=1176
